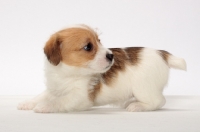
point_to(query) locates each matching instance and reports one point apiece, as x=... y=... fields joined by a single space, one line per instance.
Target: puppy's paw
x=136 y=107
x=43 y=108
x=26 y=105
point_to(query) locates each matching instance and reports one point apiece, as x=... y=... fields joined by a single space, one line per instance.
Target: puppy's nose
x=109 y=57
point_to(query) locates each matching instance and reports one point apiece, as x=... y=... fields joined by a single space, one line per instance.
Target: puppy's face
x=80 y=47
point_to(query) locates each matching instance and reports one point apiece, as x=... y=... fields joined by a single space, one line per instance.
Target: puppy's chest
x=66 y=84
x=73 y=82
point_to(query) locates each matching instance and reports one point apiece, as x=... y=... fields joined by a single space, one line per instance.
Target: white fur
x=177 y=63
x=65 y=90
x=68 y=86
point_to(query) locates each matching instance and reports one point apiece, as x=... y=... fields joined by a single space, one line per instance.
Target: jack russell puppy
x=81 y=73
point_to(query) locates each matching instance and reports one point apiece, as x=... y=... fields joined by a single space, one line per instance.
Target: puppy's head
x=79 y=47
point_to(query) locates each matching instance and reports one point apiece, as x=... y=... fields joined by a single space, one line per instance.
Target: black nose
x=109 y=57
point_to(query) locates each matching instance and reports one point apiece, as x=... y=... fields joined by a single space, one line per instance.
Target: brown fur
x=95 y=91
x=68 y=46
x=52 y=50
x=121 y=58
x=133 y=54
x=164 y=54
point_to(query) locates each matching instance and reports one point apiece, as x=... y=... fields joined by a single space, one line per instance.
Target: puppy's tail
x=173 y=61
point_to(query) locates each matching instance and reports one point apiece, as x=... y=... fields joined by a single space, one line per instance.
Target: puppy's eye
x=88 y=47
x=99 y=40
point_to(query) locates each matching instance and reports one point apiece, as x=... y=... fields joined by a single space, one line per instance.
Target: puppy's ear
x=52 y=50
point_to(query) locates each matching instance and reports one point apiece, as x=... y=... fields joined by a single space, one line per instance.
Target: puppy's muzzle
x=109 y=57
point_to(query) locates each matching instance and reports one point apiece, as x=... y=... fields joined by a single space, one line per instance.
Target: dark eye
x=88 y=47
x=99 y=40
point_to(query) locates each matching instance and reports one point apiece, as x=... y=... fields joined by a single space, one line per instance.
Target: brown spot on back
x=122 y=57
x=133 y=54
x=164 y=54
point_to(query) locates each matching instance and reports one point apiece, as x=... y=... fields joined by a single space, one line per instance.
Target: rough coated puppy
x=81 y=73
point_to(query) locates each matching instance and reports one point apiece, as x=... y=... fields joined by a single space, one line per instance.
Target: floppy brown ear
x=52 y=50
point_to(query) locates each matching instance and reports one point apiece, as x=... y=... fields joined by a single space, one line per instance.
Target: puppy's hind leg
x=144 y=105
x=146 y=101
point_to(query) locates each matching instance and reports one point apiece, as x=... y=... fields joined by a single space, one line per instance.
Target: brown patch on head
x=122 y=57
x=91 y=30
x=164 y=54
x=68 y=46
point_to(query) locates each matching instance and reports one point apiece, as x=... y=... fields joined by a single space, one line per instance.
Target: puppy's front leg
x=76 y=100
x=30 y=104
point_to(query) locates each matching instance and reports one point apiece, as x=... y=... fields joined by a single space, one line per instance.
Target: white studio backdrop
x=25 y=26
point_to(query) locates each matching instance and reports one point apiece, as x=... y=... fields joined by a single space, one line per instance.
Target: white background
x=25 y=26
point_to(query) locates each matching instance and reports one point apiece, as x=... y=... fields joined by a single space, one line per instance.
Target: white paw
x=43 y=108
x=26 y=105
x=136 y=107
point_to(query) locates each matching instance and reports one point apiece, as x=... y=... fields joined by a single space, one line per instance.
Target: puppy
x=81 y=73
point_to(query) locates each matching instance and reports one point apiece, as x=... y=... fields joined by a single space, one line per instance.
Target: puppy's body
x=79 y=76
x=137 y=78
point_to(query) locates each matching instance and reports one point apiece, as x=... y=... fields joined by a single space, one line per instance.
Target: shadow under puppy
x=81 y=73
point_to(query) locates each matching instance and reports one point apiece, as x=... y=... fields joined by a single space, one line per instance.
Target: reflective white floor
x=180 y=114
